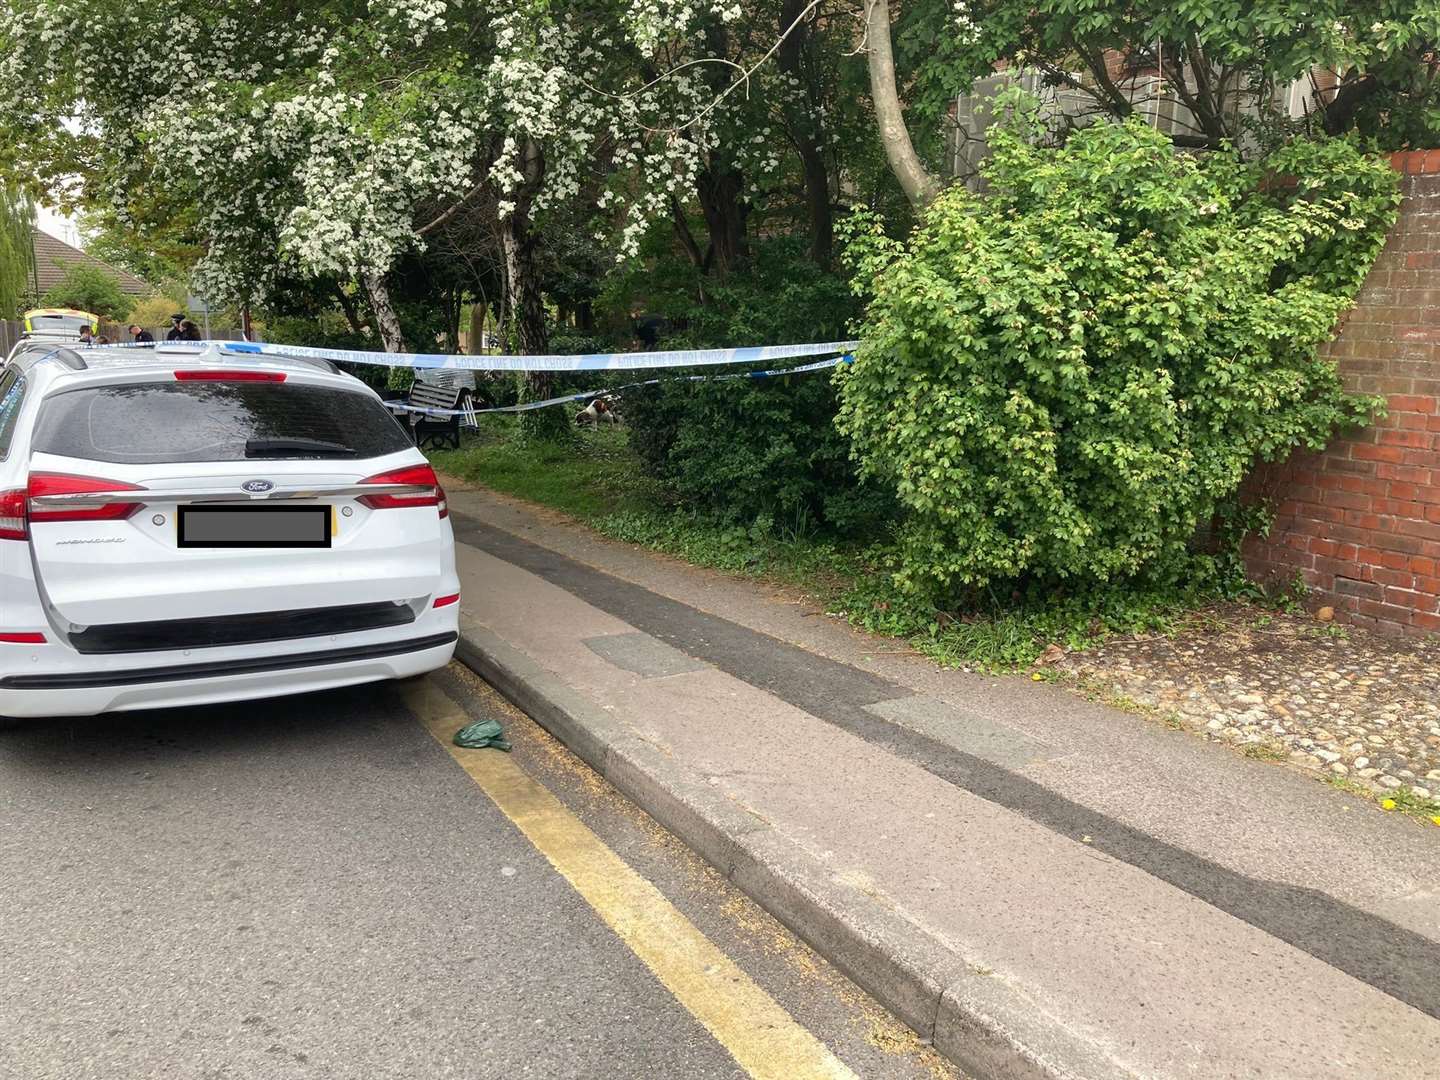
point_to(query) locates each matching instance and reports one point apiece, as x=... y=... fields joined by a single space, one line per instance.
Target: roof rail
x=30 y=353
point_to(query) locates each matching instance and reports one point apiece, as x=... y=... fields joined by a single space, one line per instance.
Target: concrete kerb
x=987 y=1027
x=587 y=731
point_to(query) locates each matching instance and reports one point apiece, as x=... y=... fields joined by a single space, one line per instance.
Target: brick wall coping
x=1416 y=162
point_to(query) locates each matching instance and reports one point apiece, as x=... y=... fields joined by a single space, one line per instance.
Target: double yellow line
x=762 y=1037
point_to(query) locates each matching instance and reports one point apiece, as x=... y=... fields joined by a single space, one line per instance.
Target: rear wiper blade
x=258 y=447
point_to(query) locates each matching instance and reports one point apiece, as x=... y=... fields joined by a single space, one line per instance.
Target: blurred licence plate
x=254 y=526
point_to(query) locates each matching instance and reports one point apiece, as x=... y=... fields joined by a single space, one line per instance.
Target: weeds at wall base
x=1401 y=800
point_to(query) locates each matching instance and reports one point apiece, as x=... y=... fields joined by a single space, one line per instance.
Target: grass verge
x=597 y=479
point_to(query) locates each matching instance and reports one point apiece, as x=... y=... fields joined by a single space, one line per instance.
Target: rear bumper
x=85 y=693
x=217 y=659
x=216 y=669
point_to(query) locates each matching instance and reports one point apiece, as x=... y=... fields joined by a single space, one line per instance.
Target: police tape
x=819 y=365
x=553 y=362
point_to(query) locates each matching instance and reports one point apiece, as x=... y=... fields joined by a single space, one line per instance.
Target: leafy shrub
x=571 y=342
x=154 y=312
x=744 y=449
x=1064 y=377
x=330 y=331
x=88 y=288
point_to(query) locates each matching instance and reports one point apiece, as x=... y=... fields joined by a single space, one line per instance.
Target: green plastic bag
x=482 y=733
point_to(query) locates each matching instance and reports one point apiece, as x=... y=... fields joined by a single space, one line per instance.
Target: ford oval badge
x=257 y=486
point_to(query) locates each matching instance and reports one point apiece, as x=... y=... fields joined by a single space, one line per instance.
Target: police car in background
x=183 y=525
x=58 y=324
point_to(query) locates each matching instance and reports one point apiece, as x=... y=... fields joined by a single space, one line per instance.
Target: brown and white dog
x=597 y=413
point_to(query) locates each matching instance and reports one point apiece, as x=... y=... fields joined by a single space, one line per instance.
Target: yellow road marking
x=744 y=1019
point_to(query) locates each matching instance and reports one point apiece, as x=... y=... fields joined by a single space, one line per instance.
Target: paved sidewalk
x=1043 y=886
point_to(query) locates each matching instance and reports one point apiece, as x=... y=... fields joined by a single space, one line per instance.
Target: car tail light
x=12 y=516
x=10 y=638
x=422 y=476
x=101 y=509
x=229 y=376
x=446 y=601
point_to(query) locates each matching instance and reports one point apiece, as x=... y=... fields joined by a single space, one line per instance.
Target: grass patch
x=1407 y=802
x=597 y=479
x=590 y=477
x=1401 y=800
x=1262 y=751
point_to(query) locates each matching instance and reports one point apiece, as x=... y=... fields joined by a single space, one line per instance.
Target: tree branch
x=1339 y=112
x=1201 y=103
x=454 y=208
x=916 y=181
x=685 y=236
x=347 y=305
x=743 y=80
x=1095 y=61
x=1212 y=118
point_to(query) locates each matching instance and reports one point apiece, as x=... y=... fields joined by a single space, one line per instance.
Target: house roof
x=53 y=257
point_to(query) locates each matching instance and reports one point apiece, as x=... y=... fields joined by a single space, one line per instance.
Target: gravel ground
x=1344 y=702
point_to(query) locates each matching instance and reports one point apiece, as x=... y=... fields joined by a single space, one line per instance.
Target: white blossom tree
x=317 y=137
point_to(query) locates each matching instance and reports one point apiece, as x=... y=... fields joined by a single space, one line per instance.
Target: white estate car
x=181 y=525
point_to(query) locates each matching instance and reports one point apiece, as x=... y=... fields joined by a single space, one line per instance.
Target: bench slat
x=434 y=397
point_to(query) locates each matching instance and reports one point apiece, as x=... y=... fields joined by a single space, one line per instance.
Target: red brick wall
x=1361 y=522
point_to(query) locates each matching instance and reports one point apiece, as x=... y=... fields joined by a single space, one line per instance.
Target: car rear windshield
x=143 y=423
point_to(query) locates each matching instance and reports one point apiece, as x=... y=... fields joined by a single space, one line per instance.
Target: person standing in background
x=138 y=333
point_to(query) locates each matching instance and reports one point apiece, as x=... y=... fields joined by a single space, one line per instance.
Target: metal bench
x=439 y=431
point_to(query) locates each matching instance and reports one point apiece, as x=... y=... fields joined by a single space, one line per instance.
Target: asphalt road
x=312 y=887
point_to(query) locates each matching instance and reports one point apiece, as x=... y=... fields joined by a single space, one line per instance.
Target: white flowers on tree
x=968 y=29
x=317 y=139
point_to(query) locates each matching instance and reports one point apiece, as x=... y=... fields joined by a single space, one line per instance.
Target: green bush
x=88 y=288
x=331 y=331
x=743 y=449
x=1063 y=378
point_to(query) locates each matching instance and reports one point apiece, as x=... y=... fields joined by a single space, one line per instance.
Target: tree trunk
x=684 y=235
x=692 y=249
x=919 y=185
x=721 y=190
x=385 y=317
x=527 y=307
x=1339 y=113
x=808 y=132
x=352 y=314
x=527 y=303
x=452 y=319
x=817 y=200
x=477 y=327
x=720 y=187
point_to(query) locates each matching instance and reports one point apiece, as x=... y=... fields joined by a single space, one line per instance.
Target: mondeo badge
x=257 y=486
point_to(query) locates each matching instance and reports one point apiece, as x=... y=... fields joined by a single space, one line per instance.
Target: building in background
x=53 y=257
x=1069 y=100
